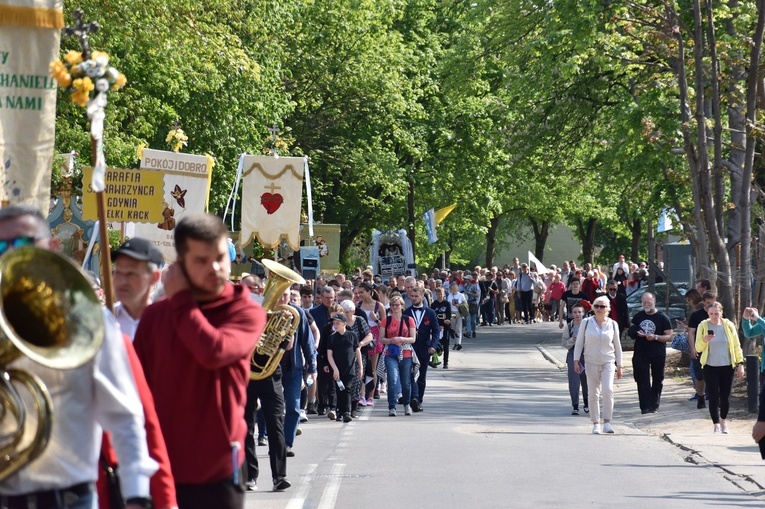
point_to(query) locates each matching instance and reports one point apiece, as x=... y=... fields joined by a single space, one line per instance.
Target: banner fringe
x=33 y=17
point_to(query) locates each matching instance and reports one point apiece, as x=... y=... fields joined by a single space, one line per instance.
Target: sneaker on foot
x=281 y=484
x=586 y=409
x=298 y=432
x=723 y=427
x=575 y=411
x=596 y=429
x=717 y=430
x=303 y=416
x=261 y=440
x=700 y=403
x=289 y=453
x=251 y=485
x=332 y=415
x=392 y=412
x=607 y=428
x=362 y=402
x=459 y=347
x=347 y=417
x=407 y=410
x=694 y=397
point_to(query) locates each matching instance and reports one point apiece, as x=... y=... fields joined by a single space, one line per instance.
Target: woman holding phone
x=718 y=344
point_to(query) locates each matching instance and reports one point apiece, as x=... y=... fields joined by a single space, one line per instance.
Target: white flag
x=272 y=193
x=541 y=269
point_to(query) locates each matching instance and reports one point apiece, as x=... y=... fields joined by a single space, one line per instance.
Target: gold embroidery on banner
x=33 y=17
x=273 y=177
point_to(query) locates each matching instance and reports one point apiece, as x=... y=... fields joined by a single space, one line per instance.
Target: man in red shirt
x=195 y=347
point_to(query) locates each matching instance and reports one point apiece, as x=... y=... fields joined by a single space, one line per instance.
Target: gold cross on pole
x=273 y=187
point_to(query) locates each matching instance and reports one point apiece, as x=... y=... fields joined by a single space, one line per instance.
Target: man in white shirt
x=136 y=271
x=101 y=392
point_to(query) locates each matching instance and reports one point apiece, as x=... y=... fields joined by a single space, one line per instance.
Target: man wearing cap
x=136 y=271
x=343 y=351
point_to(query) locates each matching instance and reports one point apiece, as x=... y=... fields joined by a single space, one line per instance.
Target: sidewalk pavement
x=678 y=422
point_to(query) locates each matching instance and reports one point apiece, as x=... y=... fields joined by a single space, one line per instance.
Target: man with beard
x=425 y=344
x=195 y=347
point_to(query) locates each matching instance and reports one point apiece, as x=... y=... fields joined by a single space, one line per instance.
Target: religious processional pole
x=88 y=78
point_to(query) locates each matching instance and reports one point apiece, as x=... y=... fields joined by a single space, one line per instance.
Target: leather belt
x=46 y=499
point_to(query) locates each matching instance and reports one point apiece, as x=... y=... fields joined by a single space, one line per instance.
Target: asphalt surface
x=496 y=431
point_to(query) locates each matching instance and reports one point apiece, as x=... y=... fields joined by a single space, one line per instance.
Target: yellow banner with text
x=131 y=195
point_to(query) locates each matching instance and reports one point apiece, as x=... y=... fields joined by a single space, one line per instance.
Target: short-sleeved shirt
x=656 y=323
x=571 y=299
x=697 y=317
x=343 y=347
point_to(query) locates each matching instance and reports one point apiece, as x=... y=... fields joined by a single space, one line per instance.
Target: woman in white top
x=455 y=299
x=598 y=338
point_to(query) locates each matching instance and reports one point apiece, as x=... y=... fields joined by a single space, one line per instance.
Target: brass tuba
x=49 y=313
x=282 y=324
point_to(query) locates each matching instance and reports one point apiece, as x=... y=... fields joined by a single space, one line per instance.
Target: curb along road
x=735 y=456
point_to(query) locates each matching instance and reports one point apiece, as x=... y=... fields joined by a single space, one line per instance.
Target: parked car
x=678 y=308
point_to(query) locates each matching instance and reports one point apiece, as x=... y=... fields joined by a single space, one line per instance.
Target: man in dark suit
x=425 y=343
x=619 y=310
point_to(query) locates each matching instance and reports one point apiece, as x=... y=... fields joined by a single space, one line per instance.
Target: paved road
x=496 y=432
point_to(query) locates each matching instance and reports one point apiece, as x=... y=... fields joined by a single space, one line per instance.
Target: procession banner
x=131 y=195
x=29 y=42
x=186 y=180
x=272 y=192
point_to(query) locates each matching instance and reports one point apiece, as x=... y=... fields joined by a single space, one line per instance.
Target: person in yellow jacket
x=717 y=342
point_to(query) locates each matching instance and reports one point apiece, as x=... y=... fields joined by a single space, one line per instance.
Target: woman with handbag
x=397 y=333
x=575 y=380
x=375 y=312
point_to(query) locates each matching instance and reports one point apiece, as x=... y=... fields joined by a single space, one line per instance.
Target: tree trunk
x=636 y=228
x=706 y=196
x=541 y=232
x=412 y=217
x=746 y=181
x=491 y=239
x=587 y=234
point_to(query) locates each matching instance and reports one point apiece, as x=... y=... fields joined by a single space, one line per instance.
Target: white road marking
x=298 y=499
x=329 y=497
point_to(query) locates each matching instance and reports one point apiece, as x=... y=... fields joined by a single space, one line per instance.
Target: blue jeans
x=292 y=379
x=472 y=322
x=399 y=375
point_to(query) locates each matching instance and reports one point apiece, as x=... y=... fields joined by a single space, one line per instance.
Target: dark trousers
x=271 y=395
x=719 y=382
x=344 y=396
x=487 y=312
x=222 y=494
x=418 y=389
x=649 y=376
x=526 y=309
x=445 y=343
x=325 y=392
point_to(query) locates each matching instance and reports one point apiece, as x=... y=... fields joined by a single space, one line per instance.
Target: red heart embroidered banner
x=272 y=193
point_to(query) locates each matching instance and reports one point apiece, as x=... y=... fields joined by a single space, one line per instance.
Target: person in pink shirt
x=556 y=291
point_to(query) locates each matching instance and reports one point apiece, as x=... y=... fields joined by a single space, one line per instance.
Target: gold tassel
x=33 y=17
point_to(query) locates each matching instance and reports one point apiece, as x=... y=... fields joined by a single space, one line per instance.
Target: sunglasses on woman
x=599 y=306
